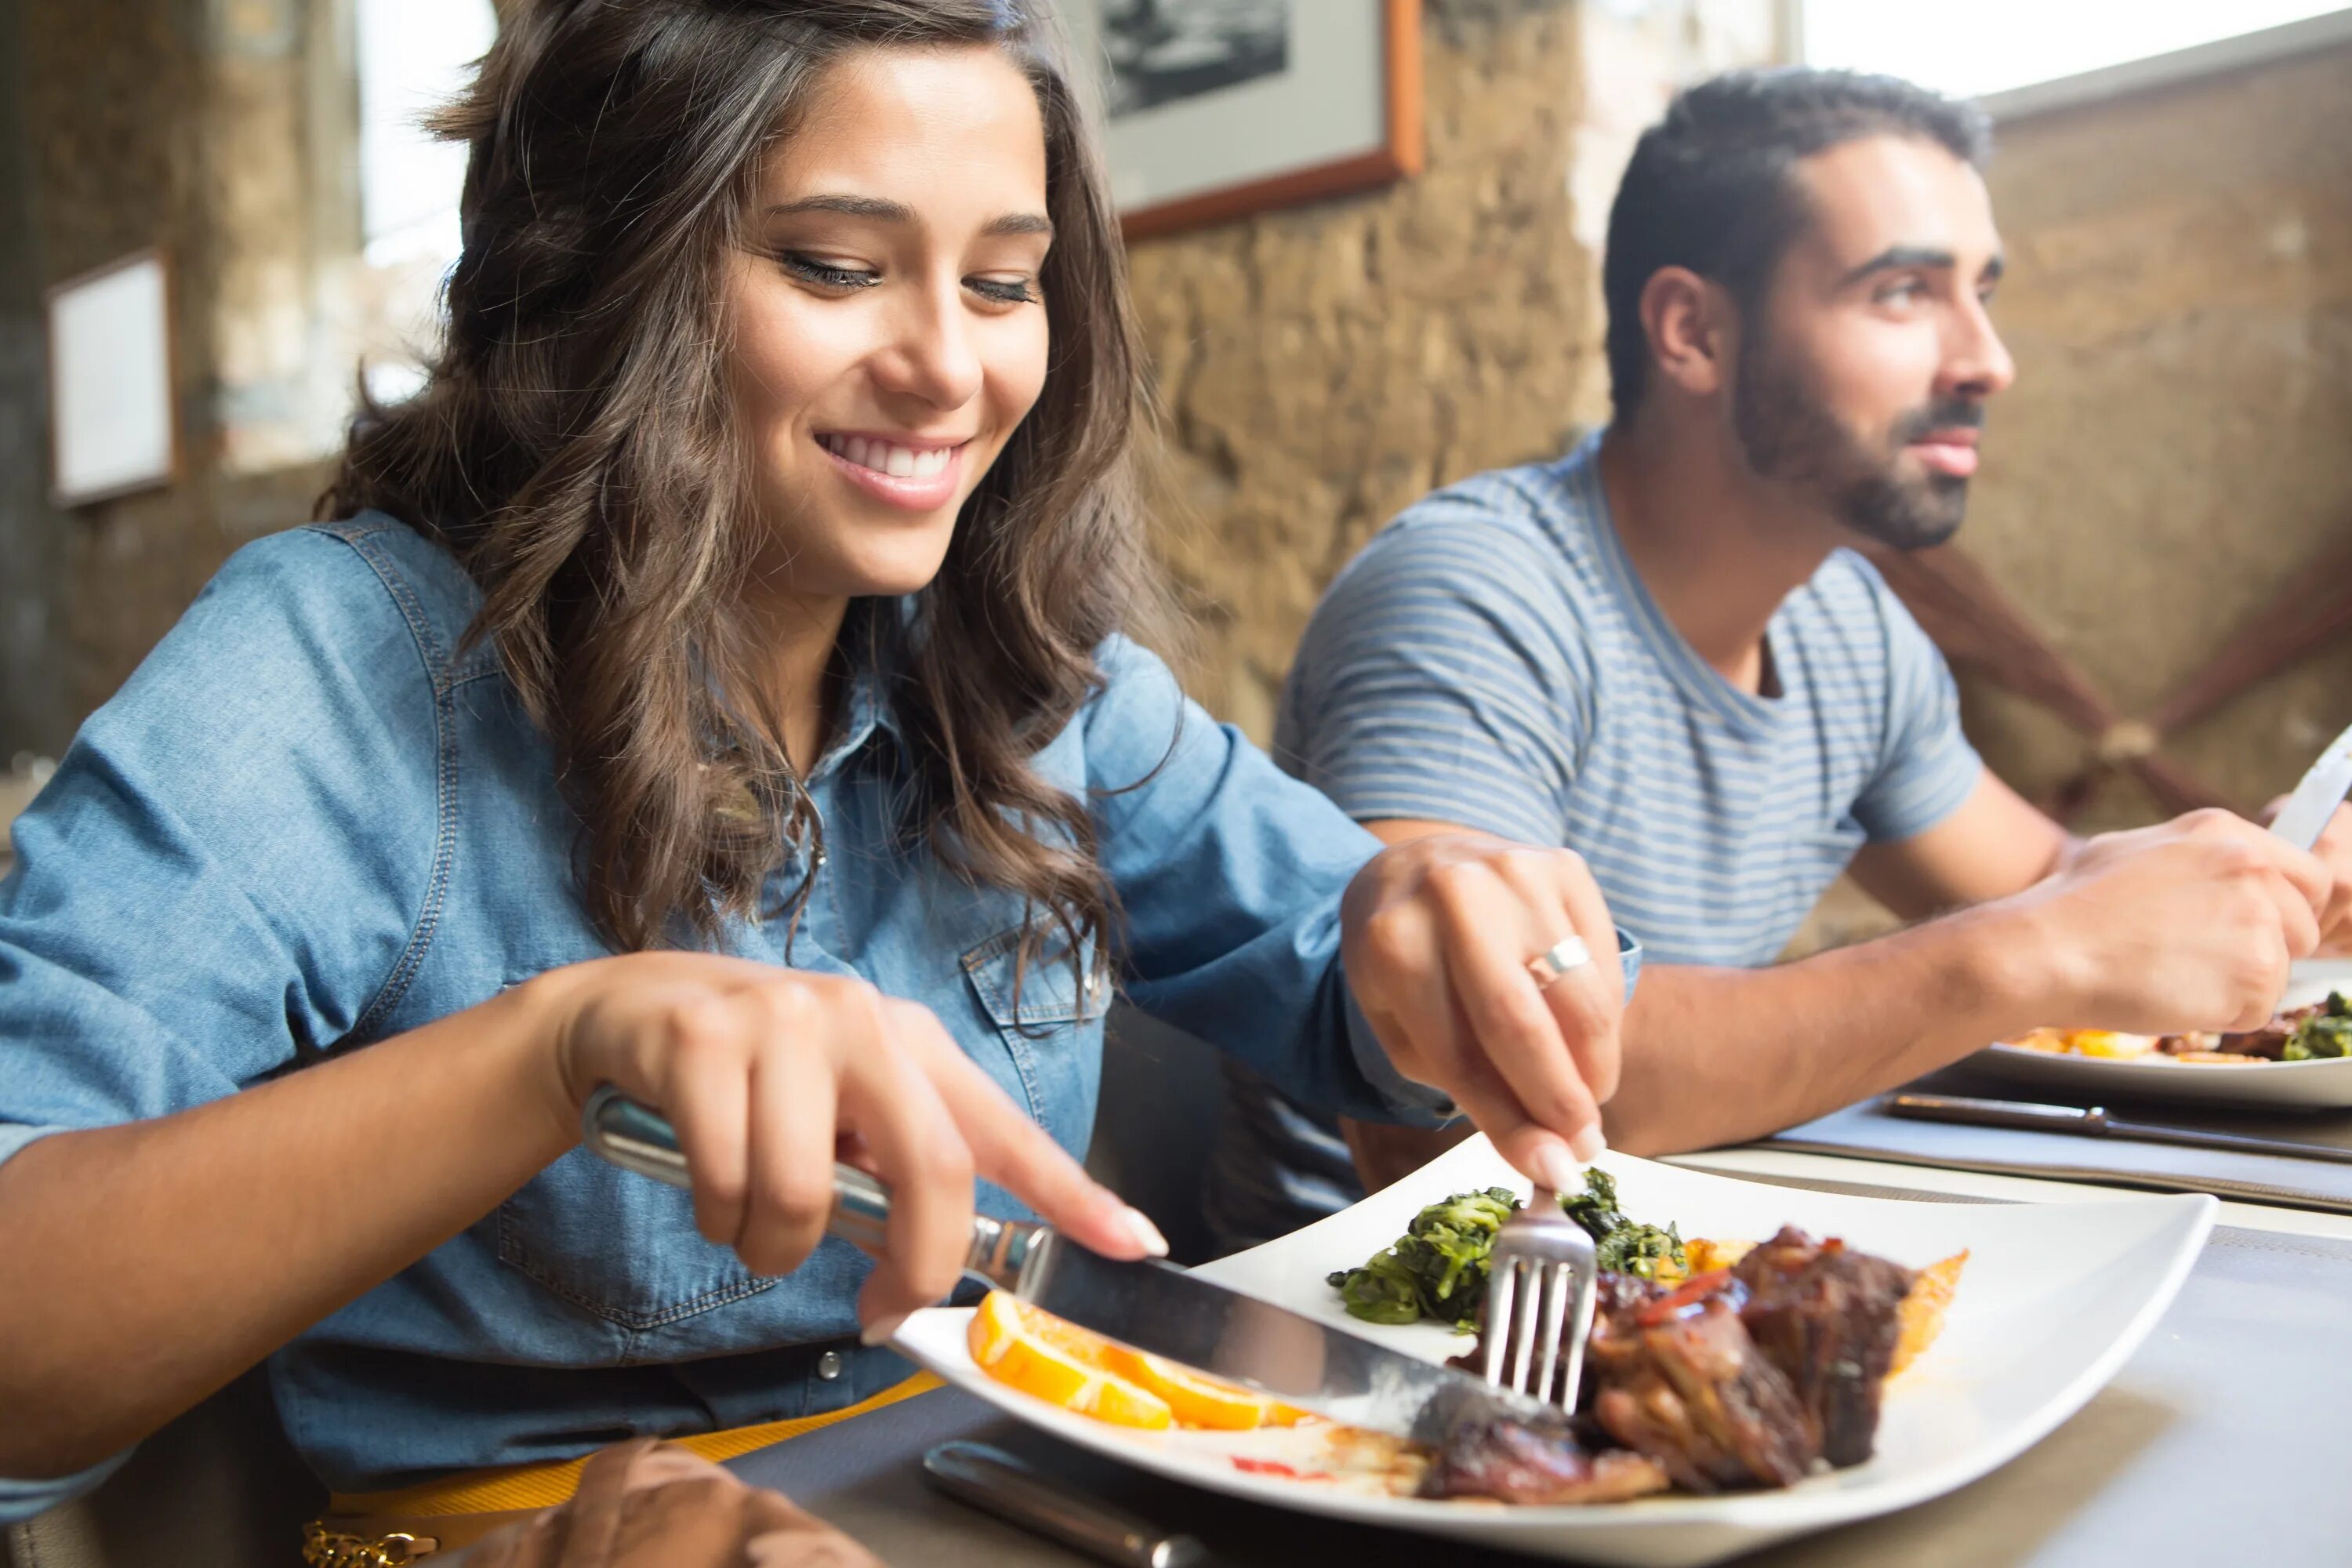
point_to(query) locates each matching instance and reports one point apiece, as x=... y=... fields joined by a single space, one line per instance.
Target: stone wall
x=2179 y=439
x=185 y=124
x=1323 y=367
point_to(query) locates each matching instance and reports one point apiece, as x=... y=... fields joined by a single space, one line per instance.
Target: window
x=414 y=56
x=1998 y=46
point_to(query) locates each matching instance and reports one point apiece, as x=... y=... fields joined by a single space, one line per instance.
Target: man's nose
x=1976 y=362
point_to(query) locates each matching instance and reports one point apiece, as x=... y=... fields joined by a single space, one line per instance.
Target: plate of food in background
x=2300 y=1061
x=1768 y=1361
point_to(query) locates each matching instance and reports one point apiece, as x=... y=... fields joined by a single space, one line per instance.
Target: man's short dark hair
x=1710 y=186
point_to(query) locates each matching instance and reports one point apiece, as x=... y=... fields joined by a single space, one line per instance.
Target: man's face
x=1864 y=374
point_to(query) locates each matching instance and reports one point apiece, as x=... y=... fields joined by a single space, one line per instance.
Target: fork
x=1539 y=1312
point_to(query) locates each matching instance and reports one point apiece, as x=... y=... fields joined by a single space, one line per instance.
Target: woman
x=713 y=684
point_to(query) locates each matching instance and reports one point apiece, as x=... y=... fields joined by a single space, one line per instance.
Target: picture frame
x=113 y=411
x=1215 y=110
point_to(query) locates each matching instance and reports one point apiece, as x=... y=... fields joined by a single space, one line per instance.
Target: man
x=1659 y=652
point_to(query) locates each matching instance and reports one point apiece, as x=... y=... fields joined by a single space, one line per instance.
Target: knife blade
x=2095 y=1122
x=1153 y=1306
x=2323 y=787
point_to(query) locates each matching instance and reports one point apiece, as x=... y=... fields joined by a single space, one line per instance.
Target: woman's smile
x=918 y=473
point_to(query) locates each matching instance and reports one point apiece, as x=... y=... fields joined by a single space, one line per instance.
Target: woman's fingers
x=1483 y=928
x=1494 y=1108
x=1020 y=1156
x=705 y=1096
x=794 y=1112
x=1589 y=1001
x=888 y=1096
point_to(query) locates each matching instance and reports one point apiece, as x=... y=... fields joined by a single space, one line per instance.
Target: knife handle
x=994 y=1482
x=2016 y=1113
x=638 y=1138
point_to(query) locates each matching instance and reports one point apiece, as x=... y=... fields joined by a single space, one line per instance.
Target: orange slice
x=1059 y=1364
x=1056 y=1360
x=1197 y=1401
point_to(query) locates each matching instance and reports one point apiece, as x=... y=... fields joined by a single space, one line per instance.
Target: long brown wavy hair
x=574 y=448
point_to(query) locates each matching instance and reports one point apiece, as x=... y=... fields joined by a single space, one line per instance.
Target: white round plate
x=2302 y=1086
x=2054 y=1299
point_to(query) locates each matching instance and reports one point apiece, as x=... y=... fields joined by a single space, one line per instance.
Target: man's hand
x=2190 y=924
x=2333 y=850
x=1437 y=934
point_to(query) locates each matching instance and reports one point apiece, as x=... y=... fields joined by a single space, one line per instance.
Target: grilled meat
x=1536 y=1462
x=1680 y=1381
x=1827 y=1318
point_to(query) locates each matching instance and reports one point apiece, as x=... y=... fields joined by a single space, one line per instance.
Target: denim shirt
x=310 y=822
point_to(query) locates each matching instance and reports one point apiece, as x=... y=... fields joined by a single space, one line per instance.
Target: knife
x=994 y=1482
x=1155 y=1307
x=2094 y=1123
x=2314 y=799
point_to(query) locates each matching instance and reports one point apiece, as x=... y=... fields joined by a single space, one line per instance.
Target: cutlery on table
x=2095 y=1123
x=1153 y=1306
x=992 y=1480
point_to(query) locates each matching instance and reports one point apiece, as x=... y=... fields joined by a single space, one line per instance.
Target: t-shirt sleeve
x=226 y=869
x=1441 y=679
x=1926 y=767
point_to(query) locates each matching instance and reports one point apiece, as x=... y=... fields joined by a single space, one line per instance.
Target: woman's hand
x=770 y=1075
x=1438 y=933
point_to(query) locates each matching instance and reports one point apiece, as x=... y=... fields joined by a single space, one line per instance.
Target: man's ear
x=1691 y=331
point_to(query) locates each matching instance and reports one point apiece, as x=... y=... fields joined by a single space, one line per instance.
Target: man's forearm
x=1716 y=1055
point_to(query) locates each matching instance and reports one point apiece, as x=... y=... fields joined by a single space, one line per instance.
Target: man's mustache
x=1944 y=414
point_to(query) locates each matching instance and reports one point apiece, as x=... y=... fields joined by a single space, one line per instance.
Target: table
x=2249 y=1364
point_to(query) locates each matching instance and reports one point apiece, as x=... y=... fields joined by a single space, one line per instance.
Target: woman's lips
x=932 y=471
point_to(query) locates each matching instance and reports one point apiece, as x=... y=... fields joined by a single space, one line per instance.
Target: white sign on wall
x=110 y=381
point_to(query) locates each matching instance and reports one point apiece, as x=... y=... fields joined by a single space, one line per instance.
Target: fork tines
x=1538 y=1314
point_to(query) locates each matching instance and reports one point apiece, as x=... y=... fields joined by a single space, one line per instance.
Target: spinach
x=2326 y=1033
x=1438 y=1267
x=1619 y=1245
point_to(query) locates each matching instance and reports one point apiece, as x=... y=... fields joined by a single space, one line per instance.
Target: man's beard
x=1789 y=435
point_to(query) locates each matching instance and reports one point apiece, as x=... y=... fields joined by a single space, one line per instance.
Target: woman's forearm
x=148 y=1264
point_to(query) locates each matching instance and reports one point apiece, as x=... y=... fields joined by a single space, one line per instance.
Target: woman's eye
x=826 y=274
x=1003 y=290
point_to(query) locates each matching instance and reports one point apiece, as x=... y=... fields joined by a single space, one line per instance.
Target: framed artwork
x=110 y=407
x=1215 y=108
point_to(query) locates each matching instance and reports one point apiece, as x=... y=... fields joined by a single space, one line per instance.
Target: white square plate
x=2298 y=1086
x=2054 y=1299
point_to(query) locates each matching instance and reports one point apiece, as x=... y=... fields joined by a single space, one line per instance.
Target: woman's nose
x=933 y=357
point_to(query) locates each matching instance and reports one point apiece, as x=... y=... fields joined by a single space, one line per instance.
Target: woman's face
x=890 y=327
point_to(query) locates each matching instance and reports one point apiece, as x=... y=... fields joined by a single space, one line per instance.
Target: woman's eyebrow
x=882 y=210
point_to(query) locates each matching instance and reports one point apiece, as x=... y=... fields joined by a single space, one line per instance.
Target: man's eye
x=1003 y=290
x=826 y=274
x=1901 y=293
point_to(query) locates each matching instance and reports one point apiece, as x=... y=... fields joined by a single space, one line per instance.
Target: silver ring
x=1568 y=953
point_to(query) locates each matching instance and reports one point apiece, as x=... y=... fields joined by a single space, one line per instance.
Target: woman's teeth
x=885 y=457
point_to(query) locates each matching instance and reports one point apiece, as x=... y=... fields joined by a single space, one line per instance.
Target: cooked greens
x=1619 y=1245
x=2326 y=1033
x=1438 y=1267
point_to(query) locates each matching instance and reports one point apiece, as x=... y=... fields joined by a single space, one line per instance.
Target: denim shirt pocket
x=1044 y=1015
x=617 y=1246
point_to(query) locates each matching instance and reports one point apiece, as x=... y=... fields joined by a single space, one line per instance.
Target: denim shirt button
x=829 y=1365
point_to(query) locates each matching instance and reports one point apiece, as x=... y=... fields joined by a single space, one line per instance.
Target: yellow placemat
x=543 y=1485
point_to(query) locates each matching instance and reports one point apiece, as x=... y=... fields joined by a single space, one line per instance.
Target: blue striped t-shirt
x=1491 y=658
